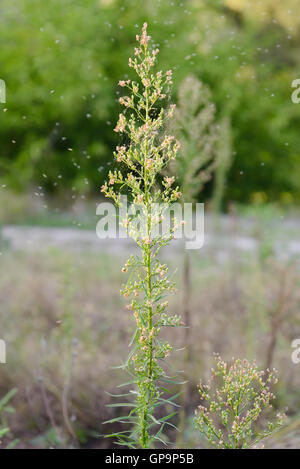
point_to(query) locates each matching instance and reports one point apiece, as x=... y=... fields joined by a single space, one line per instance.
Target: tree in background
x=195 y=123
x=62 y=96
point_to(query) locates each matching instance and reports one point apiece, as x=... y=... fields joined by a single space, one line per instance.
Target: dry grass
x=66 y=326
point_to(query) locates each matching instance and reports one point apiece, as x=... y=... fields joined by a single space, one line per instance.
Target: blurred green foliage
x=61 y=61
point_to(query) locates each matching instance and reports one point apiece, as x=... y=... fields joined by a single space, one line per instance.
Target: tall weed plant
x=146 y=151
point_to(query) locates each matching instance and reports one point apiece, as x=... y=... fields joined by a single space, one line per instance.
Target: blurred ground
x=66 y=325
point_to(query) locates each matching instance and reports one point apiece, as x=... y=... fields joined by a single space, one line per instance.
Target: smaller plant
x=236 y=398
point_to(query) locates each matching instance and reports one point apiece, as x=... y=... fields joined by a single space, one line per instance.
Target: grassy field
x=66 y=326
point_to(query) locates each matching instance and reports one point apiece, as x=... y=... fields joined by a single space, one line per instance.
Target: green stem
x=148 y=393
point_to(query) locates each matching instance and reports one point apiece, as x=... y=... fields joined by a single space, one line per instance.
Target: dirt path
x=223 y=245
